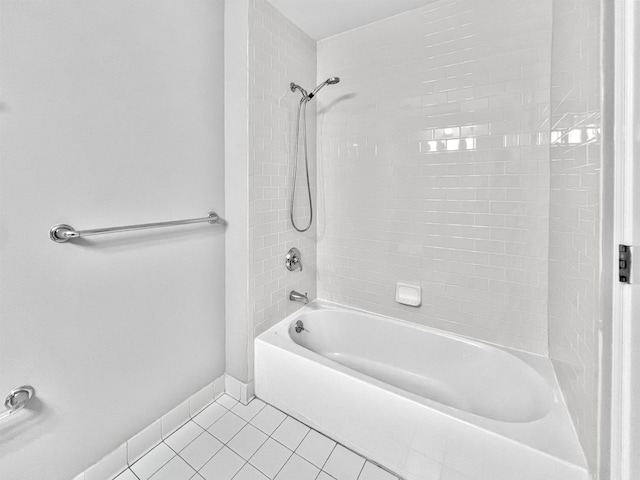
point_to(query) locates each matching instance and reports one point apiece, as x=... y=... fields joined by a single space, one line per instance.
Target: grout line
x=310 y=429
x=330 y=453
x=208 y=460
x=224 y=444
x=197 y=436
x=277 y=426
x=246 y=462
x=361 y=468
x=336 y=443
x=303 y=439
x=330 y=476
x=130 y=471
x=283 y=465
x=288 y=458
x=269 y=436
x=155 y=471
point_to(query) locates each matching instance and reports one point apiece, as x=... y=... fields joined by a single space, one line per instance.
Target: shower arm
x=295 y=87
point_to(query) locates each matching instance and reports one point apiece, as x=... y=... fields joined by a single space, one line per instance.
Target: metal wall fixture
x=298 y=297
x=293 y=260
x=302 y=115
x=17 y=399
x=62 y=232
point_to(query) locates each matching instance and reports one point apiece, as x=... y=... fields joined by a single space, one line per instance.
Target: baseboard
x=114 y=463
x=243 y=392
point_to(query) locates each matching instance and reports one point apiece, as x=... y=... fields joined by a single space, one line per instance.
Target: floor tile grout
x=328 y=457
x=246 y=462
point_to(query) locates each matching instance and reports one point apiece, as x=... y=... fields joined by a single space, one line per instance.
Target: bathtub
x=422 y=403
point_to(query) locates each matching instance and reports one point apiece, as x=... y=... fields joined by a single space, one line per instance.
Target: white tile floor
x=231 y=441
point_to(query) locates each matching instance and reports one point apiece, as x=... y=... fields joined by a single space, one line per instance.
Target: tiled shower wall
x=279 y=53
x=434 y=167
x=574 y=241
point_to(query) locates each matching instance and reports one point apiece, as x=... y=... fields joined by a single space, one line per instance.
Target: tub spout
x=298 y=297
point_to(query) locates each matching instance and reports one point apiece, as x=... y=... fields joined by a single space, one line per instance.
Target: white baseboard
x=242 y=392
x=114 y=463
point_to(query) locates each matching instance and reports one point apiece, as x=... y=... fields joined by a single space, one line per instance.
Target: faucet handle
x=293 y=259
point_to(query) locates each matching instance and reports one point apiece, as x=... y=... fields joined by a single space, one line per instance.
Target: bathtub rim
x=566 y=449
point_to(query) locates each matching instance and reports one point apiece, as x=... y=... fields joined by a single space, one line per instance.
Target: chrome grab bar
x=62 y=232
x=17 y=399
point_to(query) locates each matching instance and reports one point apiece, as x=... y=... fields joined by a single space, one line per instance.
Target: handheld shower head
x=328 y=81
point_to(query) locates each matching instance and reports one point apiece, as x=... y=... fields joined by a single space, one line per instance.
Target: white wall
x=434 y=167
x=111 y=114
x=236 y=172
x=574 y=240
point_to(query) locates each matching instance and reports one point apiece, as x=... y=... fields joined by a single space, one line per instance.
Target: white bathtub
x=420 y=402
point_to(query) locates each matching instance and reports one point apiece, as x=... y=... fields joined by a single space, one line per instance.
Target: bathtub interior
x=549 y=430
x=463 y=374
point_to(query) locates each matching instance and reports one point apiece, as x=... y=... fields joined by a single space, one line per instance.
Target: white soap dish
x=408 y=294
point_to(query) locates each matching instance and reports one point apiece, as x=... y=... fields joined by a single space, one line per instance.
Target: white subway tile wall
x=574 y=241
x=279 y=53
x=434 y=167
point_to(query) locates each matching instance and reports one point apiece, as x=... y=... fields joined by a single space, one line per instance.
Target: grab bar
x=63 y=233
x=17 y=399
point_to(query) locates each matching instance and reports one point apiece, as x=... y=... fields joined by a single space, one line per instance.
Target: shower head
x=328 y=81
x=295 y=87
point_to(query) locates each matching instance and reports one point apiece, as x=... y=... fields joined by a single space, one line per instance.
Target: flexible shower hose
x=302 y=114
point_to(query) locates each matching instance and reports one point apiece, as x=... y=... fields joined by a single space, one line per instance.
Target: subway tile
x=574 y=214
x=279 y=48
